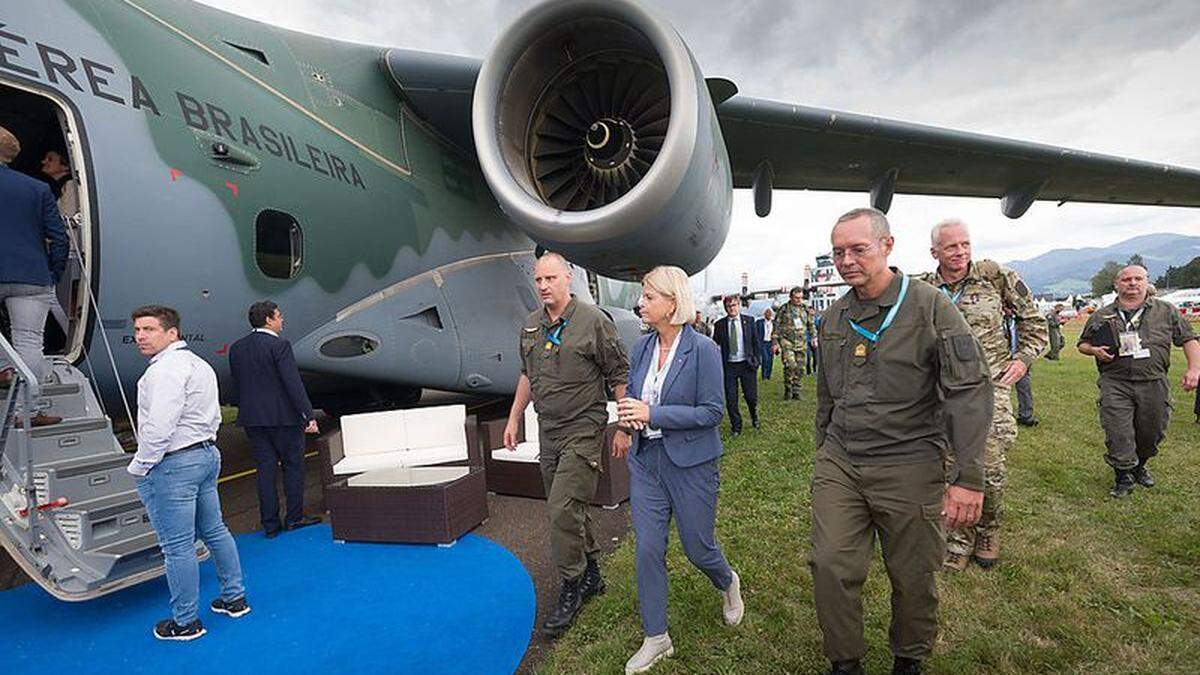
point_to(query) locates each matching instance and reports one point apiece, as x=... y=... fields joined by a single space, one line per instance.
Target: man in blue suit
x=739 y=336
x=274 y=410
x=29 y=268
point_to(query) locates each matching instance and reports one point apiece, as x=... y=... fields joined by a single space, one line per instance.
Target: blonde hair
x=10 y=147
x=672 y=282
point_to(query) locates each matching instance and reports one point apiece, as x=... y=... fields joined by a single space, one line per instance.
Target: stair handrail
x=31 y=388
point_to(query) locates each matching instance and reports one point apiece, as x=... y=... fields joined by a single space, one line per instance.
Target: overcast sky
x=1115 y=77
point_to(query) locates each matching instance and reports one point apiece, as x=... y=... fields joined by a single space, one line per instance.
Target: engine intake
x=596 y=133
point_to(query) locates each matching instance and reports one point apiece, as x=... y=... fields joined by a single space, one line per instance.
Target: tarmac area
x=516 y=523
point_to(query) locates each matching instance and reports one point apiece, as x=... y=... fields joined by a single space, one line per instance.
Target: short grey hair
x=879 y=222
x=551 y=255
x=1125 y=267
x=10 y=147
x=936 y=233
x=672 y=282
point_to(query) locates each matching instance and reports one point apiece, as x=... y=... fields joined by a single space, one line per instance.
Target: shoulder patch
x=1021 y=288
x=988 y=268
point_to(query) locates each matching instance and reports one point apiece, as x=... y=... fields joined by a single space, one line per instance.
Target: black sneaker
x=235 y=608
x=167 y=629
x=1122 y=485
x=1142 y=475
x=593 y=582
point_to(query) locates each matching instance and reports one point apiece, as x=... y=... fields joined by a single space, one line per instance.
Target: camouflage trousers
x=792 y=354
x=1001 y=436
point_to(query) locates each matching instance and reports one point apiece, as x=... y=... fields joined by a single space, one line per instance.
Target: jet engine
x=596 y=133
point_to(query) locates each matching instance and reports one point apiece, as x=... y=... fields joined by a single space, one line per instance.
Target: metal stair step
x=106 y=507
x=77 y=425
x=85 y=465
x=128 y=547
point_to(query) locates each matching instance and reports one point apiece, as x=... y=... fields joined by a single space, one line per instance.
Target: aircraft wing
x=818 y=149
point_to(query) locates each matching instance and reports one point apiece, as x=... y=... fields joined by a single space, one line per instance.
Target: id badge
x=798 y=323
x=1131 y=345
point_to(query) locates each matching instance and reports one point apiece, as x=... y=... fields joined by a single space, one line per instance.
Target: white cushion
x=531 y=424
x=435 y=455
x=370 y=433
x=525 y=452
x=439 y=426
x=361 y=463
x=408 y=477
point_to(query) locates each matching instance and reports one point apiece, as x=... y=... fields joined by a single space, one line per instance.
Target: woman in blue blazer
x=675 y=400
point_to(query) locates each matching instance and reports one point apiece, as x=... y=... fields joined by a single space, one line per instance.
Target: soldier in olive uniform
x=571 y=358
x=983 y=291
x=1054 y=324
x=900 y=374
x=1131 y=342
x=792 y=325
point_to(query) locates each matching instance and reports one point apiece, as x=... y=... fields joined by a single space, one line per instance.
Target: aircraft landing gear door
x=490 y=299
x=50 y=132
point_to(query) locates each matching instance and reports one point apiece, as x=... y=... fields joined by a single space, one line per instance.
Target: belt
x=197 y=445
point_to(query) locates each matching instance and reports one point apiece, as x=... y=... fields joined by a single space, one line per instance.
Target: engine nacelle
x=597 y=135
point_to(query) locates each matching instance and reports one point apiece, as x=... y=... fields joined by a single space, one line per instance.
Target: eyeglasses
x=857 y=251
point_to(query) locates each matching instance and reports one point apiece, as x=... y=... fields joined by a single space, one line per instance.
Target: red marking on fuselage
x=175 y=174
x=232 y=188
x=224 y=349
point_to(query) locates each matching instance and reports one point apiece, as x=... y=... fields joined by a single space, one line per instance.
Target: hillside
x=1063 y=271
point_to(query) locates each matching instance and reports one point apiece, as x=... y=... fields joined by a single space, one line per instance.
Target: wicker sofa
x=407 y=476
x=517 y=472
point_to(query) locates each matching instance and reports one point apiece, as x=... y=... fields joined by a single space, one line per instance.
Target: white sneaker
x=654 y=649
x=732 y=606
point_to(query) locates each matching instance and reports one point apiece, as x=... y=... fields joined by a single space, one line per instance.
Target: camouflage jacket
x=792 y=323
x=983 y=296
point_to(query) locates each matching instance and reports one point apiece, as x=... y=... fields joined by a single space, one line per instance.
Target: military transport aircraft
x=392 y=200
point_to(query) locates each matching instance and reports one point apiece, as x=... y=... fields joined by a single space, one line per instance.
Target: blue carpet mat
x=318 y=607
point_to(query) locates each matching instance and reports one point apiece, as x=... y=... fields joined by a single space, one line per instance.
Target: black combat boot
x=852 y=667
x=1142 y=475
x=566 y=609
x=1123 y=485
x=593 y=583
x=905 y=666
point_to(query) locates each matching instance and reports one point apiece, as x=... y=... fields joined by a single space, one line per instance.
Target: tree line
x=1184 y=276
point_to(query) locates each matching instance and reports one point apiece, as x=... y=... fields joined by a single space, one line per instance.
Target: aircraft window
x=348 y=346
x=256 y=54
x=278 y=244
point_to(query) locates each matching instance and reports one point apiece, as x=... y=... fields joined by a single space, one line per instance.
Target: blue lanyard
x=953 y=298
x=874 y=336
x=556 y=336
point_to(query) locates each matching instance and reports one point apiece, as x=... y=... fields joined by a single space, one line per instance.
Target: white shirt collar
x=174 y=346
x=268 y=331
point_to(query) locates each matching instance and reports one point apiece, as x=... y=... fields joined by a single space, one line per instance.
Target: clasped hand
x=633 y=414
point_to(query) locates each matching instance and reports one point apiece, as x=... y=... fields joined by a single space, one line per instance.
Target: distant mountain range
x=1069 y=270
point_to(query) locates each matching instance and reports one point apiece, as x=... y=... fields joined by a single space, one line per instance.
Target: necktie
x=734 y=348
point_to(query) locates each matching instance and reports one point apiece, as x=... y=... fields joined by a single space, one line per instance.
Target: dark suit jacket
x=266 y=383
x=751 y=334
x=693 y=397
x=28 y=219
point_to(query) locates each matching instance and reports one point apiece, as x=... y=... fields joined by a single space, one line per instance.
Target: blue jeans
x=659 y=490
x=180 y=495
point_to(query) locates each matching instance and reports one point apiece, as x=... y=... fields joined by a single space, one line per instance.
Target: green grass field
x=1087 y=584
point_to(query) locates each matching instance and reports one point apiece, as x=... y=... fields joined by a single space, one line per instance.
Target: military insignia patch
x=1022 y=289
x=860 y=350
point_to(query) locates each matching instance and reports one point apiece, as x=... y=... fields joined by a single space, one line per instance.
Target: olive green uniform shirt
x=884 y=403
x=570 y=382
x=983 y=296
x=1160 y=326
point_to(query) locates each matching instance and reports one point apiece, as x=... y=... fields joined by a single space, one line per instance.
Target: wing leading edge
x=817 y=149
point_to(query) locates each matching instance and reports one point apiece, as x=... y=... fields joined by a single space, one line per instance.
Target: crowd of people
x=913 y=418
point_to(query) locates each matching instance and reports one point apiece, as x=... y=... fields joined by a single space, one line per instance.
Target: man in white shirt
x=766 y=325
x=176 y=469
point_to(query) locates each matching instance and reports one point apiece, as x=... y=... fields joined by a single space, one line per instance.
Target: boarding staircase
x=70 y=516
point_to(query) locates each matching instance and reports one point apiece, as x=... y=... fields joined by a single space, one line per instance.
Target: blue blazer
x=28 y=219
x=693 y=397
x=266 y=383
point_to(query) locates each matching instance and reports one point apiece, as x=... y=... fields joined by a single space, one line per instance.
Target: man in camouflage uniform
x=1054 y=323
x=792 y=325
x=983 y=291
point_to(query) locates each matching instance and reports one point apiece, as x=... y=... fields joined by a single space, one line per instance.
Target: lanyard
x=1134 y=321
x=953 y=298
x=555 y=336
x=874 y=336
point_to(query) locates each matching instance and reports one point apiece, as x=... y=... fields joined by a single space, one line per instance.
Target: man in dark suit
x=274 y=410
x=739 y=337
x=33 y=254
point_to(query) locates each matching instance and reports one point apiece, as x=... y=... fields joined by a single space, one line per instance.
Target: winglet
x=720 y=89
